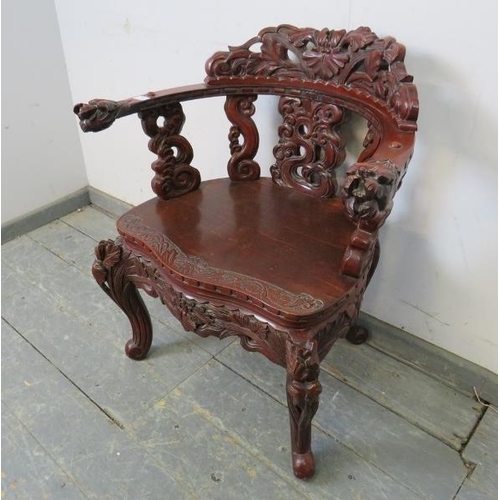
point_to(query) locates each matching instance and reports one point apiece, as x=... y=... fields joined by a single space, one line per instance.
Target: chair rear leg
x=112 y=270
x=303 y=390
x=358 y=334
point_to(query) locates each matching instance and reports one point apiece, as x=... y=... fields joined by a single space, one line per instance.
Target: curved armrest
x=99 y=114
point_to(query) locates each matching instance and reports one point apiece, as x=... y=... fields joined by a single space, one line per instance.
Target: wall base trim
x=107 y=203
x=456 y=372
x=41 y=216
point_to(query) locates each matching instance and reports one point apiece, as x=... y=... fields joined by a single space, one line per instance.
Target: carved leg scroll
x=303 y=390
x=112 y=269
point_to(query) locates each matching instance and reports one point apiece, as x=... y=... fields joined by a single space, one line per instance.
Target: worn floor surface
x=201 y=418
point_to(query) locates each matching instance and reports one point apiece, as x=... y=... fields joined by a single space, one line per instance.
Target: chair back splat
x=280 y=262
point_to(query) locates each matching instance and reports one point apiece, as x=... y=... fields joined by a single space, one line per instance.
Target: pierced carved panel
x=241 y=166
x=174 y=175
x=310 y=147
x=357 y=59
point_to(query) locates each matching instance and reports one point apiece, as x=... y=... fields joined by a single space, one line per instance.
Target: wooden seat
x=249 y=241
x=280 y=262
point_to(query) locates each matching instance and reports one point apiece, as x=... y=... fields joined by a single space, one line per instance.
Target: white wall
x=437 y=276
x=42 y=159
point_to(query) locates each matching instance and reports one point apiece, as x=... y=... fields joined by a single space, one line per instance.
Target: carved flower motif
x=326 y=57
x=107 y=255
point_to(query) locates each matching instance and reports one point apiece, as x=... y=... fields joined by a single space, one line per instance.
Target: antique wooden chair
x=281 y=262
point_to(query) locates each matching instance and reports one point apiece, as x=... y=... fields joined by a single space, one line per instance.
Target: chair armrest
x=99 y=114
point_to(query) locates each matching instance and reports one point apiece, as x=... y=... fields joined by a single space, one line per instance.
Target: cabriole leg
x=303 y=389
x=112 y=269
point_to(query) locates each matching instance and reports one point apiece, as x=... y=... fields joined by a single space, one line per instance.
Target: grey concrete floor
x=201 y=418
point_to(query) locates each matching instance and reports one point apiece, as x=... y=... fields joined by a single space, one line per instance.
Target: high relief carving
x=369 y=189
x=302 y=390
x=98 y=114
x=174 y=176
x=309 y=147
x=357 y=59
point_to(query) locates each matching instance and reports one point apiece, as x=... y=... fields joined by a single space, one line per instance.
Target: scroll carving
x=309 y=147
x=357 y=59
x=241 y=166
x=97 y=115
x=359 y=253
x=174 y=176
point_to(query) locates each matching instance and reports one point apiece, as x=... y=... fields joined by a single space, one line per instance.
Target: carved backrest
x=320 y=76
x=361 y=69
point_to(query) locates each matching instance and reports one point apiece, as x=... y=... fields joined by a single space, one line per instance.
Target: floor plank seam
x=153 y=403
x=392 y=410
x=471 y=466
x=68 y=474
x=459 y=488
x=114 y=420
x=69 y=262
x=352 y=450
x=77 y=229
x=254 y=453
x=253 y=384
x=418 y=368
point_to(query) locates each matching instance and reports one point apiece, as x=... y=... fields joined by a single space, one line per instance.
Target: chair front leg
x=303 y=390
x=112 y=269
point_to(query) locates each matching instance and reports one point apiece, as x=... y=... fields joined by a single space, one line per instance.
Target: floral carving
x=107 y=255
x=326 y=58
x=355 y=59
x=303 y=389
x=97 y=115
x=112 y=269
x=309 y=147
x=174 y=176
